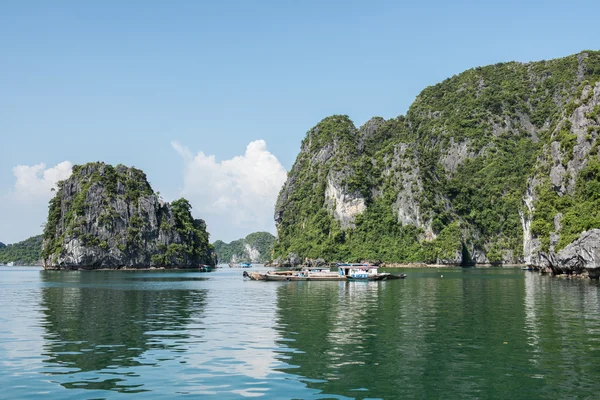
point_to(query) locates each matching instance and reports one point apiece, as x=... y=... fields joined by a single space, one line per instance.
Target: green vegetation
x=580 y=212
x=259 y=241
x=195 y=248
x=27 y=252
x=464 y=153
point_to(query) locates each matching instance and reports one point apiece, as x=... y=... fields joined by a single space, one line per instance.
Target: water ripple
x=473 y=334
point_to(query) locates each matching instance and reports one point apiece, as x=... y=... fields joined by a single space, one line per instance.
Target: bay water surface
x=483 y=333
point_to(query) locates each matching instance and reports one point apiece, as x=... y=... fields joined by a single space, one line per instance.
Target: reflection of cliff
x=562 y=324
x=106 y=322
x=419 y=338
x=339 y=333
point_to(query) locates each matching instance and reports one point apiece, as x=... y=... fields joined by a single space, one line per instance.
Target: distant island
x=257 y=247
x=496 y=165
x=26 y=252
x=109 y=217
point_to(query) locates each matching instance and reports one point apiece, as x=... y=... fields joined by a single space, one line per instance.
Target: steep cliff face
x=109 y=217
x=257 y=247
x=490 y=166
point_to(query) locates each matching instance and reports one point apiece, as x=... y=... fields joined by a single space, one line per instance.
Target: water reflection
x=104 y=324
x=495 y=333
x=425 y=337
x=563 y=324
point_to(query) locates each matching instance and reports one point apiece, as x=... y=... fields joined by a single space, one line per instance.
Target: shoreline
x=200 y=269
x=423 y=265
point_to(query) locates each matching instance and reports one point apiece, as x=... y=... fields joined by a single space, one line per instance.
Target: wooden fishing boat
x=255 y=276
x=307 y=274
x=346 y=272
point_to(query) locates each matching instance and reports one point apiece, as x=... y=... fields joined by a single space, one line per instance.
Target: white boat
x=365 y=272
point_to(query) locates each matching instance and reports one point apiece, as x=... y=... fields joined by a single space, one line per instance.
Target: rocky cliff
x=109 y=217
x=495 y=165
x=257 y=247
x=582 y=257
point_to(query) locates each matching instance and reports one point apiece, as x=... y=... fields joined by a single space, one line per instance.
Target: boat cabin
x=357 y=271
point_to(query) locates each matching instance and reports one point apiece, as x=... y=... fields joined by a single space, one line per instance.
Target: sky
x=213 y=98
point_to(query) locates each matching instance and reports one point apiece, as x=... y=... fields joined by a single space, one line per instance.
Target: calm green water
x=475 y=333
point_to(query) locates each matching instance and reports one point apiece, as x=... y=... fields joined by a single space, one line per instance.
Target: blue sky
x=165 y=86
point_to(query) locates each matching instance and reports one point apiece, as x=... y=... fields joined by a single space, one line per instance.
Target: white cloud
x=25 y=206
x=235 y=196
x=36 y=182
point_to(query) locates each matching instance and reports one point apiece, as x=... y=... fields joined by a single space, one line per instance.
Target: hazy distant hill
x=256 y=247
x=27 y=252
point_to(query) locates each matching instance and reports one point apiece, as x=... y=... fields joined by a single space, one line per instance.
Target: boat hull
x=281 y=278
x=378 y=277
x=254 y=276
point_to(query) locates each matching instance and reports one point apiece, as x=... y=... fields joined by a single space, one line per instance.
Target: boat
x=365 y=272
x=305 y=274
x=254 y=276
x=346 y=272
x=240 y=265
x=206 y=268
x=321 y=274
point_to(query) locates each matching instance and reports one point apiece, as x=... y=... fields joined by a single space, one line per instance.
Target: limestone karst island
x=109 y=217
x=497 y=165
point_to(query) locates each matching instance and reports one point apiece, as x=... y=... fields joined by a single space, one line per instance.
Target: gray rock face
x=341 y=202
x=455 y=155
x=291 y=260
x=345 y=205
x=564 y=166
x=582 y=257
x=110 y=218
x=408 y=187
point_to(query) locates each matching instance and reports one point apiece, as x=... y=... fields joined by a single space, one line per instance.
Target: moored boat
x=346 y=272
x=240 y=265
x=255 y=276
x=306 y=274
x=366 y=272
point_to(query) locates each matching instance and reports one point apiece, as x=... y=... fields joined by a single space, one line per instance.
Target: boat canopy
x=365 y=265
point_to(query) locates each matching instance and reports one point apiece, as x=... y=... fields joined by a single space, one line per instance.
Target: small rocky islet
x=109 y=217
